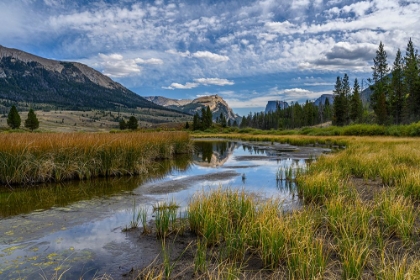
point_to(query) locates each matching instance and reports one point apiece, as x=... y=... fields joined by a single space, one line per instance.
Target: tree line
x=395 y=98
x=294 y=116
x=396 y=91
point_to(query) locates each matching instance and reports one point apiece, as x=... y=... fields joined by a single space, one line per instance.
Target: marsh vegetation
x=54 y=157
x=360 y=220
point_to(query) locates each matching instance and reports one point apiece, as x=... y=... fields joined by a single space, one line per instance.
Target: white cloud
x=211 y=56
x=214 y=81
x=181 y=86
x=151 y=61
x=284 y=27
x=115 y=65
x=200 y=81
x=183 y=54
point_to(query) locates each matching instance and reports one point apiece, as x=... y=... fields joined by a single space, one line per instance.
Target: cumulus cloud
x=214 y=81
x=345 y=50
x=181 y=86
x=115 y=65
x=284 y=27
x=151 y=61
x=211 y=56
x=200 y=81
x=188 y=40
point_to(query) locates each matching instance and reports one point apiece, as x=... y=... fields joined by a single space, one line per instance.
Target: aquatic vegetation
x=165 y=218
x=28 y=158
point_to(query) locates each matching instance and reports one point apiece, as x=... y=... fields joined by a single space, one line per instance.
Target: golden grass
x=27 y=158
x=340 y=232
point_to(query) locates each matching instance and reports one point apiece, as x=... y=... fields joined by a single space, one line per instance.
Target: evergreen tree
x=339 y=109
x=380 y=84
x=196 y=122
x=326 y=110
x=346 y=91
x=397 y=89
x=203 y=119
x=412 y=80
x=208 y=118
x=356 y=106
x=132 y=123
x=229 y=123
x=235 y=124
x=32 y=121
x=222 y=120
x=123 y=124
x=13 y=118
x=187 y=125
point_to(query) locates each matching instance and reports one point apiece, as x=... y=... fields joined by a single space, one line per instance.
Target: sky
x=247 y=52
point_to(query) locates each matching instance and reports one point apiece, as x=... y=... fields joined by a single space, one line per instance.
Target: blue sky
x=246 y=51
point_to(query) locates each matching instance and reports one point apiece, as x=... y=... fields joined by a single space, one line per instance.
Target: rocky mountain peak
x=215 y=102
x=58 y=66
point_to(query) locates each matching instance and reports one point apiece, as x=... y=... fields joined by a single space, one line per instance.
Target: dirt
x=367 y=188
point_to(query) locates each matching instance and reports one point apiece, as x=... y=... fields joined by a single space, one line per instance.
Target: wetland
x=76 y=228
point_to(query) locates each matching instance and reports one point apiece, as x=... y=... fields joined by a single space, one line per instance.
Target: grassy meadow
x=54 y=120
x=359 y=220
x=29 y=158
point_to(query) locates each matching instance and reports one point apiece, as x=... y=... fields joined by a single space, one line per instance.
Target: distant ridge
x=216 y=104
x=70 y=85
x=273 y=105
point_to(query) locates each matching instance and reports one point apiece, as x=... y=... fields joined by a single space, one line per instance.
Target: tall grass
x=343 y=231
x=34 y=158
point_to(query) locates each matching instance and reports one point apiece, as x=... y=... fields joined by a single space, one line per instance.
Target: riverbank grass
x=27 y=158
x=359 y=219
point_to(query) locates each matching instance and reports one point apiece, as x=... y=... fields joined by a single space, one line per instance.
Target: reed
x=28 y=158
x=200 y=262
x=165 y=218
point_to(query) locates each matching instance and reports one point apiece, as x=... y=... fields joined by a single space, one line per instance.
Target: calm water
x=78 y=225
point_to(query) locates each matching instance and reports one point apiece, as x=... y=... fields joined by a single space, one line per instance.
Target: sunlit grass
x=340 y=232
x=27 y=158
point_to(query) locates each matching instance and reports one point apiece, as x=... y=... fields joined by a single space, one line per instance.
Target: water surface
x=79 y=225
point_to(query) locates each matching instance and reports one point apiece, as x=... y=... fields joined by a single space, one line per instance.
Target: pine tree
x=132 y=123
x=187 y=125
x=13 y=118
x=32 y=121
x=412 y=80
x=196 y=122
x=397 y=89
x=208 y=118
x=123 y=124
x=380 y=84
x=222 y=120
x=346 y=92
x=356 y=106
x=339 y=109
x=326 y=110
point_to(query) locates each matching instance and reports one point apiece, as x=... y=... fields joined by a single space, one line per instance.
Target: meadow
x=31 y=158
x=359 y=220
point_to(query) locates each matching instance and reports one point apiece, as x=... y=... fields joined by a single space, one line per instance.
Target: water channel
x=76 y=228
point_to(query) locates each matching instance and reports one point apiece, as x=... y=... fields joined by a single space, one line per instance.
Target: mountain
x=321 y=100
x=168 y=102
x=69 y=85
x=217 y=105
x=273 y=105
